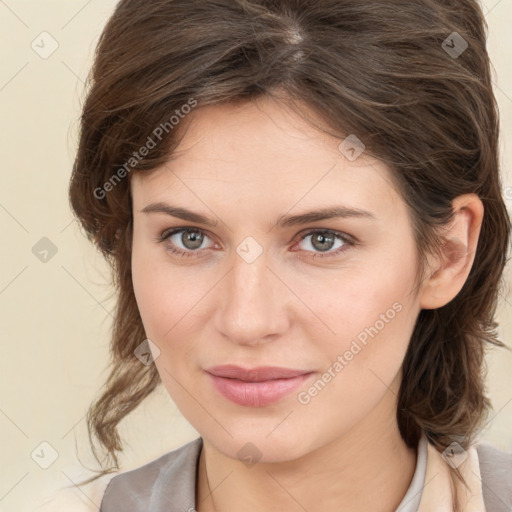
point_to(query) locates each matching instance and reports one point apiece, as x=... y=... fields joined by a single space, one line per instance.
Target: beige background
x=55 y=315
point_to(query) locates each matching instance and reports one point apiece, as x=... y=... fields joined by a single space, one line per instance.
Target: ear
x=450 y=271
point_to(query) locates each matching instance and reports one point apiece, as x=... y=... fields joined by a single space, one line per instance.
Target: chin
x=263 y=445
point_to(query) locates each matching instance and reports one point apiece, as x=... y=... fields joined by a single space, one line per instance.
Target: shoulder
x=168 y=480
x=496 y=474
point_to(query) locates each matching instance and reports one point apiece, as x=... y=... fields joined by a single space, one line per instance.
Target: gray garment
x=496 y=473
x=411 y=501
x=168 y=483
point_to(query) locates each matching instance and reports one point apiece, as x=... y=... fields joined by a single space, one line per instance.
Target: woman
x=301 y=204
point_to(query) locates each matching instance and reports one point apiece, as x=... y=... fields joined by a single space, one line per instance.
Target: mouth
x=256 y=387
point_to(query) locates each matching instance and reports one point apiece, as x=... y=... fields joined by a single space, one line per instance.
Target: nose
x=255 y=304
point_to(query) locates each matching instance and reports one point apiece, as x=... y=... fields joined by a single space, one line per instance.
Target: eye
x=324 y=241
x=186 y=242
x=190 y=239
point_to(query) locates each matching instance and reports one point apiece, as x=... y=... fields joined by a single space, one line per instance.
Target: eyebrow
x=283 y=222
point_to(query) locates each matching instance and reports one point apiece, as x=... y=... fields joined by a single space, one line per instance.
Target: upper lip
x=259 y=374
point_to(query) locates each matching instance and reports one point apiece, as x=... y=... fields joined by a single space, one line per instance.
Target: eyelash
x=348 y=241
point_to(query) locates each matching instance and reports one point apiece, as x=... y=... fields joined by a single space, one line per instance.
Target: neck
x=368 y=468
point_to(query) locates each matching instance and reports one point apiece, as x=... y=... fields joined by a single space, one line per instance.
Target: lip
x=256 y=387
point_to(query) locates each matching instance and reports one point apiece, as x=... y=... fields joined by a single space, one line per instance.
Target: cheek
x=363 y=360
x=156 y=299
x=164 y=301
x=370 y=313
x=170 y=300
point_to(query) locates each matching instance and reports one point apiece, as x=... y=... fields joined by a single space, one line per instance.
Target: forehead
x=264 y=154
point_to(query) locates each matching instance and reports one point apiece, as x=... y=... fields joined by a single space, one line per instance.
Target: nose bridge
x=251 y=308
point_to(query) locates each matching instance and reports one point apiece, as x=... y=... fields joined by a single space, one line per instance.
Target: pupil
x=191 y=239
x=323 y=239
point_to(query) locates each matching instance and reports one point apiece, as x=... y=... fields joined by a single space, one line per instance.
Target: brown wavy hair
x=380 y=70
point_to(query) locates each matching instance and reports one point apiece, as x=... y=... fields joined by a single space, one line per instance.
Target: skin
x=246 y=165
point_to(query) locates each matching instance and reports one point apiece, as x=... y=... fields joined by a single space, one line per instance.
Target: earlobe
x=458 y=251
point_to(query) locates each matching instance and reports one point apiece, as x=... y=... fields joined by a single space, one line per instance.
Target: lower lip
x=256 y=394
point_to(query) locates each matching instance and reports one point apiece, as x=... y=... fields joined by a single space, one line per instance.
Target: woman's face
x=251 y=284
